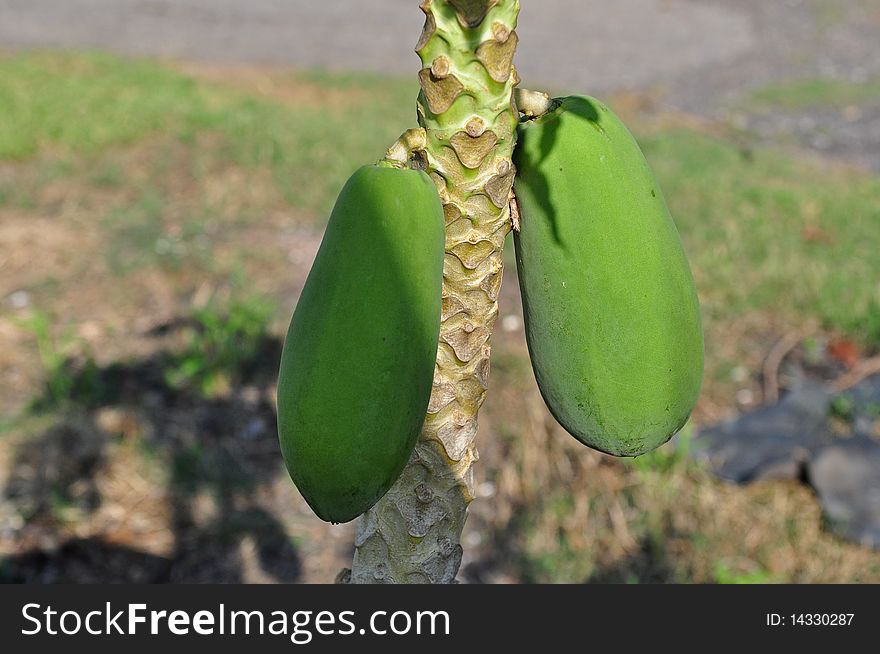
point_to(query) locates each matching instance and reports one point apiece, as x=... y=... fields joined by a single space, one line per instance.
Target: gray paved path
x=583 y=44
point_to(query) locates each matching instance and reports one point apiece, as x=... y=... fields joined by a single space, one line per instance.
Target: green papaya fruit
x=611 y=312
x=358 y=361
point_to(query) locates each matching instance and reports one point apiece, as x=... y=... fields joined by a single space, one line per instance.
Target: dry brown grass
x=277 y=85
x=548 y=509
x=555 y=511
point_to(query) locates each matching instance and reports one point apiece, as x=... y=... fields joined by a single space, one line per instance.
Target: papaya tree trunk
x=468 y=118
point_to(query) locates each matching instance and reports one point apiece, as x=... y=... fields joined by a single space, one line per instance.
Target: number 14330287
x=810 y=620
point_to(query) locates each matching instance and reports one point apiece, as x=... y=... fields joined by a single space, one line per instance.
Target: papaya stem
x=533 y=103
x=407 y=151
x=469 y=120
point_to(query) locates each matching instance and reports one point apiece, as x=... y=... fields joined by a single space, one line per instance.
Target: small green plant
x=109 y=175
x=222 y=342
x=63 y=508
x=843 y=407
x=70 y=372
x=59 y=381
x=724 y=574
x=673 y=456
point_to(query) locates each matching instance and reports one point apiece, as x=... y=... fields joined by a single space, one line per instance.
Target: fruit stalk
x=467 y=111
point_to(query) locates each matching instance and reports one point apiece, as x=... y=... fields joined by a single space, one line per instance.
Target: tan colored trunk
x=468 y=121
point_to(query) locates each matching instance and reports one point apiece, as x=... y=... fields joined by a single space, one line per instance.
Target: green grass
x=86 y=102
x=139 y=238
x=222 y=340
x=814 y=92
x=725 y=575
x=83 y=103
x=771 y=233
x=674 y=455
x=746 y=222
x=69 y=371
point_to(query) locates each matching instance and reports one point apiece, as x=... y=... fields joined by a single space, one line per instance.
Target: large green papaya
x=358 y=361
x=612 y=316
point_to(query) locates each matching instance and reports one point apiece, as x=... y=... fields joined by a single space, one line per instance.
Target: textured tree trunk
x=468 y=120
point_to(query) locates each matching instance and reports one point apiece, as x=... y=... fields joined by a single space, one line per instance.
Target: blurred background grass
x=157 y=222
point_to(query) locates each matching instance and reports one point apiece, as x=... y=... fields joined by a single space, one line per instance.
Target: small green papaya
x=358 y=361
x=611 y=312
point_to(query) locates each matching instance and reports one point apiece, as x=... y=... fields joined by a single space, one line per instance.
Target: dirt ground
x=144 y=477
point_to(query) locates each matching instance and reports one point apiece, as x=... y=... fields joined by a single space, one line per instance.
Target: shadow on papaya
x=530 y=158
x=611 y=311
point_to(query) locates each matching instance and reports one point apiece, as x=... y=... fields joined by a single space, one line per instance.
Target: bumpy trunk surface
x=468 y=121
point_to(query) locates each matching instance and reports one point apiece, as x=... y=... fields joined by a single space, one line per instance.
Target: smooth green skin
x=358 y=361
x=611 y=312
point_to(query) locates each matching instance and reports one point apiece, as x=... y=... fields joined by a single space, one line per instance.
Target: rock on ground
x=795 y=439
x=846 y=477
x=773 y=442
